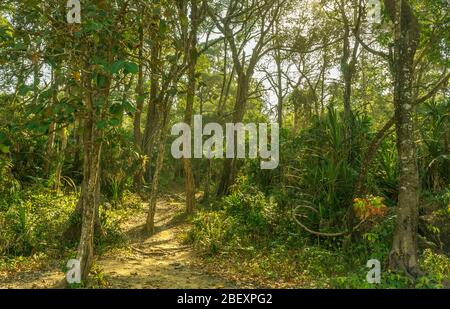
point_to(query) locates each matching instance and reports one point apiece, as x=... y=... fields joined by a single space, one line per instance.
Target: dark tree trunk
x=348 y=63
x=229 y=166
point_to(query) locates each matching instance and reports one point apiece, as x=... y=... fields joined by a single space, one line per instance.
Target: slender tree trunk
x=92 y=148
x=192 y=63
x=207 y=180
x=61 y=157
x=50 y=148
x=52 y=135
x=92 y=151
x=224 y=80
x=152 y=121
x=279 y=89
x=222 y=104
x=348 y=64
x=370 y=156
x=150 y=223
x=138 y=114
x=189 y=185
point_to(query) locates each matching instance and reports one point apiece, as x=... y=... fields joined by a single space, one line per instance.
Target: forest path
x=161 y=260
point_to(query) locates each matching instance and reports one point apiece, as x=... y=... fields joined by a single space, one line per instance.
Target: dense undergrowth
x=255 y=231
x=33 y=222
x=247 y=233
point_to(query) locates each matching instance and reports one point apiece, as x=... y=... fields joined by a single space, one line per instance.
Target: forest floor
x=162 y=260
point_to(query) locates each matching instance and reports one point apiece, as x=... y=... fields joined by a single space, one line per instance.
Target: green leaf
x=3 y=138
x=38 y=126
x=128 y=67
x=4 y=148
x=92 y=26
x=162 y=27
x=128 y=107
x=116 y=109
x=114 y=122
x=117 y=66
x=131 y=67
x=102 y=124
x=24 y=89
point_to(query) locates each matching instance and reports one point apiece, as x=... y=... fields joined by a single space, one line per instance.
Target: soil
x=163 y=260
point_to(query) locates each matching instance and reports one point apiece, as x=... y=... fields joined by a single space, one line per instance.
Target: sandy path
x=158 y=261
x=161 y=260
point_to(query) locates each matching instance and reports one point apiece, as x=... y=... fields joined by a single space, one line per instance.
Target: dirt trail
x=159 y=261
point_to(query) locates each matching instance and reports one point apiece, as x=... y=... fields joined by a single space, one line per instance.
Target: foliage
x=32 y=222
x=369 y=206
x=110 y=88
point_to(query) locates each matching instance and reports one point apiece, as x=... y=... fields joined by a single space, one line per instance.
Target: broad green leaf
x=114 y=122
x=117 y=66
x=4 y=148
x=102 y=124
x=131 y=67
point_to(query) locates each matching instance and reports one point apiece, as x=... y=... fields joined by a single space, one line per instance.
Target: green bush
x=255 y=213
x=212 y=232
x=243 y=219
x=34 y=222
x=437 y=266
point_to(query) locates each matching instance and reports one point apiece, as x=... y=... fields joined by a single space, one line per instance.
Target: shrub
x=34 y=222
x=213 y=232
x=255 y=213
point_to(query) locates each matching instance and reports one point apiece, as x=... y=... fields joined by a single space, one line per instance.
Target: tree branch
x=433 y=91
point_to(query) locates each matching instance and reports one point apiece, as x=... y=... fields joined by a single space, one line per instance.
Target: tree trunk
x=189 y=185
x=370 y=156
x=190 y=96
x=92 y=150
x=152 y=121
x=138 y=114
x=348 y=64
x=150 y=224
x=279 y=87
x=229 y=166
x=61 y=157
x=52 y=129
x=49 y=152
x=403 y=256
